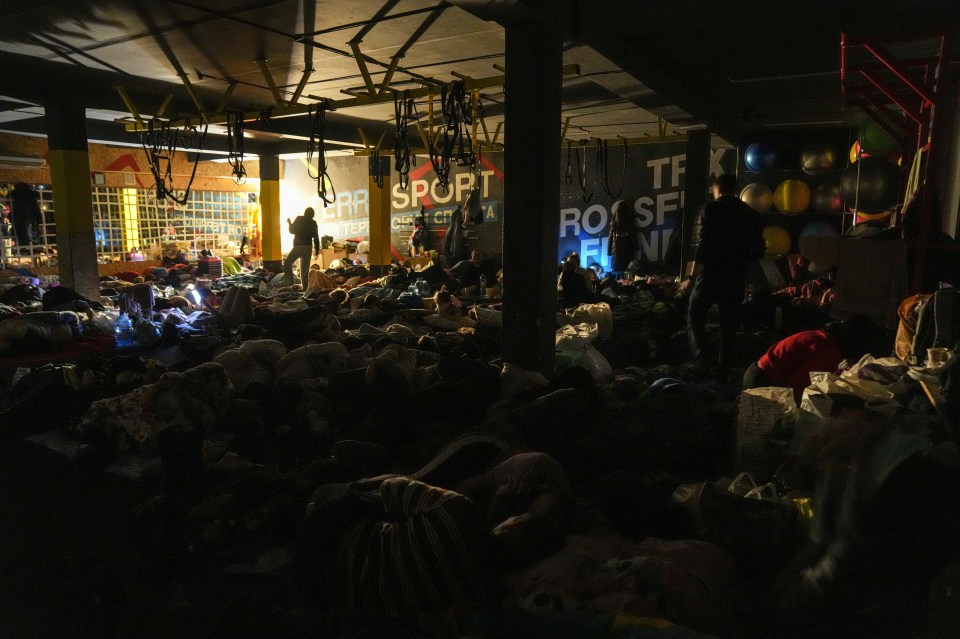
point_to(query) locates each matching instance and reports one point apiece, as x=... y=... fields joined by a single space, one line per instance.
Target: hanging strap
x=317 y=144
x=606 y=171
x=582 y=176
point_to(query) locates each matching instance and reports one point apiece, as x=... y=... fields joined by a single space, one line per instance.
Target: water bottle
x=123 y=331
x=483 y=285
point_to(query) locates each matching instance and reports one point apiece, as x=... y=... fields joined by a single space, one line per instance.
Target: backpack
x=938 y=324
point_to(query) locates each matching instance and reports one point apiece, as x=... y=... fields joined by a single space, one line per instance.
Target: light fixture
x=813 y=123
x=792 y=76
x=31 y=161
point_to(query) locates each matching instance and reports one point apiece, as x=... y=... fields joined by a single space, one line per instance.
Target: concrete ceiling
x=646 y=67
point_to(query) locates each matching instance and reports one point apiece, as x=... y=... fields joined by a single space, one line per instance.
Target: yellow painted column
x=380 y=254
x=72 y=202
x=270 y=212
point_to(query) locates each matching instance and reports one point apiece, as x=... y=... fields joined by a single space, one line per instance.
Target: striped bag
x=426 y=552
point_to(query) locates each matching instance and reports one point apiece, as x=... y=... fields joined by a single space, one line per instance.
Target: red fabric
x=790 y=361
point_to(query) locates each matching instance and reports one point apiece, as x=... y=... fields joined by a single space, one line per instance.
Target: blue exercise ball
x=761 y=156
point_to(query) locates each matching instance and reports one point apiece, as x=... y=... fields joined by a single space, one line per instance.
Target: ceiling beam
x=255 y=117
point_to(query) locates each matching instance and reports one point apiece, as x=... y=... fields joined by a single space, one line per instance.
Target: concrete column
x=72 y=203
x=696 y=183
x=270 y=212
x=949 y=176
x=533 y=86
x=380 y=254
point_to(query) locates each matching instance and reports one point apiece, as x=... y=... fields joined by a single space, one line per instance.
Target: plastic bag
x=597 y=364
x=756 y=530
x=762 y=415
x=572 y=337
x=599 y=314
x=104 y=321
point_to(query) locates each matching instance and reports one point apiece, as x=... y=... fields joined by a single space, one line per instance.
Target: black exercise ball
x=870 y=185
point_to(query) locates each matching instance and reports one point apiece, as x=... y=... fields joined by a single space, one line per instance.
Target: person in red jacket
x=789 y=362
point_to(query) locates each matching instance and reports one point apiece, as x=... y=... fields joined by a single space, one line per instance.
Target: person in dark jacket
x=469 y=272
x=452 y=247
x=25 y=214
x=624 y=242
x=305 y=232
x=718 y=269
x=574 y=289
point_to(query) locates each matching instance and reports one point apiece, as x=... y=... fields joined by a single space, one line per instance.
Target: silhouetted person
x=305 y=232
x=25 y=214
x=718 y=268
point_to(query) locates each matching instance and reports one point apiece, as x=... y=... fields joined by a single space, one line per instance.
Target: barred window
x=128 y=220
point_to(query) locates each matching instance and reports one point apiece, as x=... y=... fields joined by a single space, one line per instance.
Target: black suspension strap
x=405 y=113
x=568 y=176
x=606 y=170
x=600 y=162
x=476 y=117
x=478 y=166
x=459 y=118
x=317 y=115
x=439 y=157
x=160 y=142
x=582 y=176
x=376 y=169
x=235 y=146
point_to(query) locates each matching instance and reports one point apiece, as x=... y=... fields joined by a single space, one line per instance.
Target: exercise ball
x=880 y=216
x=870 y=185
x=819 y=242
x=761 y=157
x=856 y=152
x=875 y=140
x=792 y=196
x=818 y=157
x=777 y=240
x=826 y=198
x=758 y=196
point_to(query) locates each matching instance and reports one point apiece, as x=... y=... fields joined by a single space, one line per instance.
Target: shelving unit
x=784 y=161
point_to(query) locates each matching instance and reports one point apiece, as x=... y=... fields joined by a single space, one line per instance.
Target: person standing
x=25 y=214
x=305 y=232
x=623 y=240
x=731 y=235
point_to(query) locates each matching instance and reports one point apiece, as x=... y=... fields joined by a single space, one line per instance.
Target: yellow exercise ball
x=777 y=240
x=879 y=216
x=792 y=196
x=758 y=196
x=856 y=153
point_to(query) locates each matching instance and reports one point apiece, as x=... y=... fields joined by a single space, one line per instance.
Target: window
x=125 y=219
